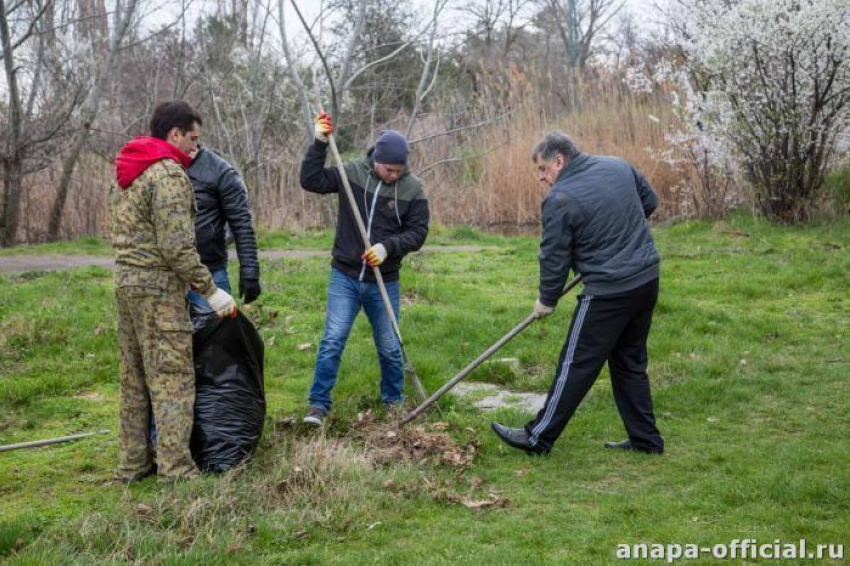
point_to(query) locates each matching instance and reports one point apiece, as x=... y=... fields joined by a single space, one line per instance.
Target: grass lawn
x=750 y=356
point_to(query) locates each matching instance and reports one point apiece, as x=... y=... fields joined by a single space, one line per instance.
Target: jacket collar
x=140 y=153
x=574 y=165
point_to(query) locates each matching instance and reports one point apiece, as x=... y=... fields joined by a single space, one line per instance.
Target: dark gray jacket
x=222 y=199
x=594 y=222
x=396 y=215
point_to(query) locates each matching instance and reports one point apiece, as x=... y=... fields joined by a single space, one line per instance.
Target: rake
x=481 y=359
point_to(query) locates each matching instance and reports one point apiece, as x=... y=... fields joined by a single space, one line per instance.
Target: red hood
x=142 y=152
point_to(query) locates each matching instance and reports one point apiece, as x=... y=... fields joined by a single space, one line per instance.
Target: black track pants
x=611 y=328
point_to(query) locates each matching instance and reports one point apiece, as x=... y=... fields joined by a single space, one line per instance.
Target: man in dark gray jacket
x=595 y=223
x=222 y=200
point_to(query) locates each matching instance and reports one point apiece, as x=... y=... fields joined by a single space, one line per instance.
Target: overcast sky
x=643 y=11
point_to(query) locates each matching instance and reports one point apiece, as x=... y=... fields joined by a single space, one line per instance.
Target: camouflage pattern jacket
x=153 y=232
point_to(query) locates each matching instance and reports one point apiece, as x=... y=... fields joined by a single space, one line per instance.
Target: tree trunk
x=90 y=113
x=12 y=159
x=11 y=206
x=68 y=166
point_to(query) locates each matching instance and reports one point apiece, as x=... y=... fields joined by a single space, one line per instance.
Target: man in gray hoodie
x=595 y=223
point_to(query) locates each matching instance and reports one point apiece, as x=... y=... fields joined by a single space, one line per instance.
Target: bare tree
x=433 y=51
x=496 y=21
x=292 y=69
x=91 y=107
x=579 y=23
x=36 y=117
x=352 y=64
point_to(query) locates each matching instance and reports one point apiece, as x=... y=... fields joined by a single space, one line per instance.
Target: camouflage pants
x=157 y=372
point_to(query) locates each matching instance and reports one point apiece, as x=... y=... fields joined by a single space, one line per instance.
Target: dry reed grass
x=482 y=176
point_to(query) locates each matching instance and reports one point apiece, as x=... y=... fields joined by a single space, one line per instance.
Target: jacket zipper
x=369 y=225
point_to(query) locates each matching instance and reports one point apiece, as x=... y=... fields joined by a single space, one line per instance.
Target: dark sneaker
x=316 y=416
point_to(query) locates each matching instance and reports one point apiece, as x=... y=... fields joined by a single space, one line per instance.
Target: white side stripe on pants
x=565 y=370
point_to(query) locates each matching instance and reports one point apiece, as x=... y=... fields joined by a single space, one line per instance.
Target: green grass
x=87 y=245
x=266 y=240
x=749 y=363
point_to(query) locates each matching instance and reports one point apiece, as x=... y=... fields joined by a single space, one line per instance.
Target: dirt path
x=22 y=263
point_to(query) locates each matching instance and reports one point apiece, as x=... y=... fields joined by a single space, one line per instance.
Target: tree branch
x=455 y=130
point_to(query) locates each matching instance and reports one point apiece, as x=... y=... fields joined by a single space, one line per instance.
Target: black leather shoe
x=517 y=438
x=627 y=445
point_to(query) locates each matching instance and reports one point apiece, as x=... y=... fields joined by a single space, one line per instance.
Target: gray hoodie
x=594 y=222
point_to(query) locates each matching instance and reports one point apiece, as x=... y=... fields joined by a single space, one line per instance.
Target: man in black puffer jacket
x=395 y=212
x=222 y=200
x=595 y=223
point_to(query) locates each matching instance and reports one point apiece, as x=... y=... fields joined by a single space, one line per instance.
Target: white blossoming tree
x=772 y=80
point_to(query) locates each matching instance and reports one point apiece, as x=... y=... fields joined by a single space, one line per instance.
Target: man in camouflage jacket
x=152 y=208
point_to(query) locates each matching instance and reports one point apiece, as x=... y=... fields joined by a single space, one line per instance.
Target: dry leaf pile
x=387 y=443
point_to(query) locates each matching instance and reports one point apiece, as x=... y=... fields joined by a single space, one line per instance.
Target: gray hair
x=556 y=143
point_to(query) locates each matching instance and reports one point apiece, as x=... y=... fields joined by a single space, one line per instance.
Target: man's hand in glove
x=222 y=303
x=541 y=310
x=249 y=289
x=323 y=127
x=375 y=255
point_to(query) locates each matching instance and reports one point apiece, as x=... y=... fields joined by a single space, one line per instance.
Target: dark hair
x=174 y=114
x=556 y=143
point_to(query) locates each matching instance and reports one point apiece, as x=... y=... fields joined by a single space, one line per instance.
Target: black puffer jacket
x=222 y=199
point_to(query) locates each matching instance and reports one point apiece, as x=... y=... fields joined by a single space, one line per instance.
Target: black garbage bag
x=230 y=401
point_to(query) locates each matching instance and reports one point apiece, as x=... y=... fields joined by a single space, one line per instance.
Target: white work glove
x=375 y=255
x=222 y=303
x=323 y=127
x=541 y=310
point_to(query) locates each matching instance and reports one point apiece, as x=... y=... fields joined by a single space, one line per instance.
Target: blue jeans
x=222 y=281
x=346 y=296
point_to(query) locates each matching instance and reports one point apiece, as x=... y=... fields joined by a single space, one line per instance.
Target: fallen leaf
x=19 y=544
x=302 y=347
x=231 y=548
x=440 y=425
x=476 y=481
x=520 y=472
x=492 y=501
x=391 y=434
x=388 y=483
x=288 y=421
x=300 y=534
x=373 y=525
x=92 y=396
x=143 y=510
